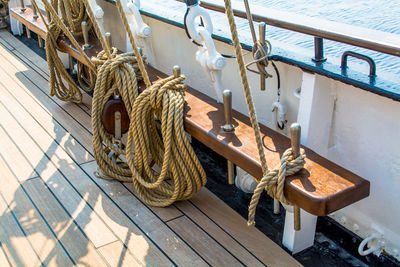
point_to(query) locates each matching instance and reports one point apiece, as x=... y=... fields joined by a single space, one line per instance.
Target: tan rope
x=272 y=181
x=181 y=173
x=61 y=83
x=117 y=76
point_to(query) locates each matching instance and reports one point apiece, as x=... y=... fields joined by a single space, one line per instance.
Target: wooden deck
x=55 y=212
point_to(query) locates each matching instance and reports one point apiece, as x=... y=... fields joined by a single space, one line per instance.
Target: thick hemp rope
x=273 y=180
x=181 y=173
x=61 y=83
x=117 y=75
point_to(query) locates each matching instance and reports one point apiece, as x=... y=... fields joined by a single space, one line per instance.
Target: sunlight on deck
x=54 y=211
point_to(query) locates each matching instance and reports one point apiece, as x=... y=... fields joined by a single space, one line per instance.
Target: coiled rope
x=272 y=180
x=61 y=83
x=181 y=173
x=117 y=75
x=172 y=151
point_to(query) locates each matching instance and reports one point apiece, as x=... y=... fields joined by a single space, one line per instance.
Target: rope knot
x=260 y=58
x=274 y=181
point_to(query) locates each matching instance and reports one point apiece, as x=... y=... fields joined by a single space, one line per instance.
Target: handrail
x=384 y=42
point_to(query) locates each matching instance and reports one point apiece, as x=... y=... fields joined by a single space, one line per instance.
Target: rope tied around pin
x=181 y=174
x=273 y=180
x=260 y=54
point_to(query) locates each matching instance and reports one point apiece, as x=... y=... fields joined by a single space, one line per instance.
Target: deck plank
x=214 y=253
x=118 y=255
x=167 y=240
x=38 y=97
x=15 y=248
x=166 y=214
x=37 y=63
x=217 y=232
x=166 y=235
x=41 y=151
x=234 y=224
x=4 y=260
x=37 y=231
x=78 y=246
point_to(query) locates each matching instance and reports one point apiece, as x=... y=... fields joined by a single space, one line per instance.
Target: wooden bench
x=320 y=188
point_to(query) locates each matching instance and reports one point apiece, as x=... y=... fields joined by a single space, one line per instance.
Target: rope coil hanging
x=171 y=151
x=117 y=75
x=73 y=13
x=272 y=180
x=181 y=172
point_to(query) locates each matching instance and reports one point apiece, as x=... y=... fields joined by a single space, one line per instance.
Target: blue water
x=382 y=15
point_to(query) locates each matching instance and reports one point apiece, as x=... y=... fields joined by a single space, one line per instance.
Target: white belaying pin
x=211 y=61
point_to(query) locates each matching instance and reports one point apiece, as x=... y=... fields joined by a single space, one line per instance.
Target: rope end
x=251 y=223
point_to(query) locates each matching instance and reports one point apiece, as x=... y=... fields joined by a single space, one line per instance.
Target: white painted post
x=16 y=26
x=297 y=241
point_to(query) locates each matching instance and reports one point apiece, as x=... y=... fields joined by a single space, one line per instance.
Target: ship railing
x=379 y=41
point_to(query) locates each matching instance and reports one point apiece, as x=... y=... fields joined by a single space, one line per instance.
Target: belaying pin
x=295 y=133
x=85 y=33
x=228 y=127
x=261 y=29
x=108 y=39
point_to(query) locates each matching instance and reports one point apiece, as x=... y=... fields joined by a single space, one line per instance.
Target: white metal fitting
x=98 y=13
x=375 y=242
x=245 y=181
x=136 y=23
x=280 y=114
x=211 y=61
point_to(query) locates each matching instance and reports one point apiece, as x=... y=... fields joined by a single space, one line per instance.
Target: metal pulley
x=114 y=112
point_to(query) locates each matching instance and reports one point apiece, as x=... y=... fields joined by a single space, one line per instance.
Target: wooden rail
x=320 y=188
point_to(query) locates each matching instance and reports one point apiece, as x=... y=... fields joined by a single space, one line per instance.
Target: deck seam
x=79 y=194
x=170 y=220
x=201 y=228
x=121 y=183
x=19 y=225
x=251 y=253
x=46 y=184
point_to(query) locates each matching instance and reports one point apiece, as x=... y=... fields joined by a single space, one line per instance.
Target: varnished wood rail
x=320 y=188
